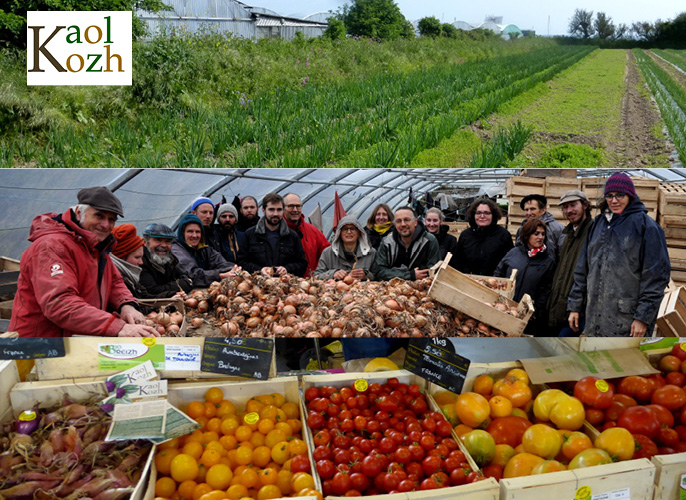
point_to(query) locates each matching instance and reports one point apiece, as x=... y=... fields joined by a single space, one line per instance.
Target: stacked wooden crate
x=672 y=218
x=517 y=188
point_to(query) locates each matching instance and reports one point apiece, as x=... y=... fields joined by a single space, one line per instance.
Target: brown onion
x=203 y=306
x=191 y=302
x=392 y=304
x=196 y=322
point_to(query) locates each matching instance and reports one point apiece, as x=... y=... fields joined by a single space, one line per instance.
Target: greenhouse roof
x=157 y=195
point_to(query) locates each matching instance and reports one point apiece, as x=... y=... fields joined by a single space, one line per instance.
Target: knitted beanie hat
x=127 y=240
x=619 y=182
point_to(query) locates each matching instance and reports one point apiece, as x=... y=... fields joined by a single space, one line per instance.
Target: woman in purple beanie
x=623 y=269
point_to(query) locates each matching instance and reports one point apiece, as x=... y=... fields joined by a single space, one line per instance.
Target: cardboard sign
x=241 y=357
x=32 y=348
x=603 y=364
x=435 y=360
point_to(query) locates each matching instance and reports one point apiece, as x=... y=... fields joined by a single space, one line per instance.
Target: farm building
x=495 y=24
x=230 y=16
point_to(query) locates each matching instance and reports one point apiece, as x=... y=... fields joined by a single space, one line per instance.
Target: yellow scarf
x=383 y=228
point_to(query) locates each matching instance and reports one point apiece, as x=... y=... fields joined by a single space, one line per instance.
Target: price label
x=437 y=363
x=32 y=348
x=252 y=418
x=149 y=341
x=583 y=493
x=361 y=385
x=241 y=357
x=602 y=386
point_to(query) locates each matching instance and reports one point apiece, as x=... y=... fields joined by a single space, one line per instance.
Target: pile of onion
x=270 y=306
x=165 y=323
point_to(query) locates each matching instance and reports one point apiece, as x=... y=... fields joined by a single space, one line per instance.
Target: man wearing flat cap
x=535 y=206
x=68 y=284
x=577 y=210
x=161 y=276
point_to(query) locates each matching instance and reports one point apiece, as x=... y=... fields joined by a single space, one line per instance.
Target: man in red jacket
x=313 y=241
x=67 y=283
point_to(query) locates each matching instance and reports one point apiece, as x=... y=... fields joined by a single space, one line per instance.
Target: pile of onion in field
x=263 y=306
x=62 y=454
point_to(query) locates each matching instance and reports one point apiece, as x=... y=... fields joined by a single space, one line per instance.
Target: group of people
x=592 y=275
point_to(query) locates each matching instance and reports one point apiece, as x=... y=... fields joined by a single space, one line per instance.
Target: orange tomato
x=229 y=425
x=285 y=428
x=196 y=409
x=210 y=457
x=291 y=410
x=243 y=433
x=194 y=449
x=472 y=409
x=503 y=453
x=228 y=442
x=210 y=410
x=243 y=455
x=462 y=429
x=186 y=489
x=214 y=425
x=183 y=467
x=172 y=443
x=225 y=408
x=219 y=477
x=574 y=443
x=209 y=436
x=500 y=406
x=267 y=476
x=542 y=440
x=296 y=425
x=617 y=442
x=200 y=490
x=518 y=374
x=257 y=439
x=521 y=464
x=268 y=492
x=163 y=460
x=280 y=452
x=215 y=495
x=518 y=392
x=248 y=478
x=165 y=487
x=214 y=395
x=274 y=437
x=483 y=384
x=302 y=480
x=568 y=414
x=297 y=447
x=265 y=426
x=283 y=481
x=261 y=456
x=589 y=458
x=237 y=491
x=548 y=466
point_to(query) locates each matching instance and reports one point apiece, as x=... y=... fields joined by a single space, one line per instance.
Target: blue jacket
x=621 y=274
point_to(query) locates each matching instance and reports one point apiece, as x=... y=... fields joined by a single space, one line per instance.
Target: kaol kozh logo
x=79 y=48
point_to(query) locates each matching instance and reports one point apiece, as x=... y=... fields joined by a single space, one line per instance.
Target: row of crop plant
x=670 y=97
x=380 y=121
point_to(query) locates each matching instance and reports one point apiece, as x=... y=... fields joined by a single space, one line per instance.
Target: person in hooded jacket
x=379 y=223
x=433 y=221
x=202 y=263
x=350 y=254
x=535 y=266
x=67 y=282
x=484 y=243
x=227 y=238
x=623 y=269
x=409 y=251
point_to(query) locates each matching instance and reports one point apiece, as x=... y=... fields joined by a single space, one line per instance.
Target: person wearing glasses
x=350 y=254
x=623 y=269
x=408 y=251
x=484 y=243
x=535 y=267
x=312 y=239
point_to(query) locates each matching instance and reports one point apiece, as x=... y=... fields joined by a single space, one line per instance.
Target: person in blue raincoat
x=623 y=269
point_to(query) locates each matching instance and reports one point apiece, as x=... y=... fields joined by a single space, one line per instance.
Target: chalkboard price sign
x=241 y=357
x=436 y=361
x=32 y=348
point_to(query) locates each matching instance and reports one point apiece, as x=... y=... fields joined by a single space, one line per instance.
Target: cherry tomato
x=341 y=483
x=325 y=469
x=371 y=466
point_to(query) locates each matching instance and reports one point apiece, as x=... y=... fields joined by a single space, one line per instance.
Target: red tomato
x=664 y=416
x=668 y=437
x=431 y=464
x=637 y=387
x=614 y=411
x=624 y=399
x=669 y=363
x=326 y=469
x=681 y=430
x=594 y=392
x=494 y=471
x=676 y=378
x=669 y=396
x=406 y=485
x=679 y=350
x=359 y=481
x=640 y=420
x=645 y=447
x=311 y=394
x=300 y=463
x=371 y=466
x=508 y=430
x=595 y=417
x=341 y=483
x=315 y=421
x=458 y=477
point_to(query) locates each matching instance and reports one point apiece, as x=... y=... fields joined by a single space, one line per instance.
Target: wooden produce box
x=672 y=199
x=180 y=394
x=669 y=470
x=9 y=275
x=508 y=284
x=456 y=290
x=6 y=309
x=520 y=186
x=25 y=395
x=556 y=187
x=671 y=317
x=178 y=304
x=82 y=359
x=482 y=490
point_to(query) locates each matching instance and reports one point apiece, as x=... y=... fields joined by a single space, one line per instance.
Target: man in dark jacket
x=227 y=239
x=623 y=268
x=577 y=210
x=160 y=275
x=409 y=251
x=270 y=246
x=535 y=206
x=247 y=212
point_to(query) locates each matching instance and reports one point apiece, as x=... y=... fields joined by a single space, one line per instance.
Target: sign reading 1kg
x=435 y=360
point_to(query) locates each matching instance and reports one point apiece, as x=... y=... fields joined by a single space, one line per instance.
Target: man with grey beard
x=160 y=275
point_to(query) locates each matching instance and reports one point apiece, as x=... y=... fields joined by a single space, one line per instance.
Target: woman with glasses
x=535 y=265
x=484 y=243
x=350 y=253
x=623 y=269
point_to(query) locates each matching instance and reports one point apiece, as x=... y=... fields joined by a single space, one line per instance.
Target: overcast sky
x=526 y=14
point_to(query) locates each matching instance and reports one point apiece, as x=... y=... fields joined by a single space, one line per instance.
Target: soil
x=638 y=145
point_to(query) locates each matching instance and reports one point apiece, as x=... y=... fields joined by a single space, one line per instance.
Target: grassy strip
x=503 y=148
x=670 y=97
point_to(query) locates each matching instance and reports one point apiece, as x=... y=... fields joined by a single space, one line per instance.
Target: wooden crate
x=180 y=394
x=669 y=470
x=82 y=359
x=672 y=199
x=636 y=475
x=482 y=490
x=508 y=283
x=556 y=187
x=456 y=228
x=456 y=290
x=522 y=186
x=8 y=264
x=671 y=317
x=41 y=394
x=6 y=309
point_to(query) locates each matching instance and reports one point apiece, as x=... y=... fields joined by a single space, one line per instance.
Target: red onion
x=27 y=422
